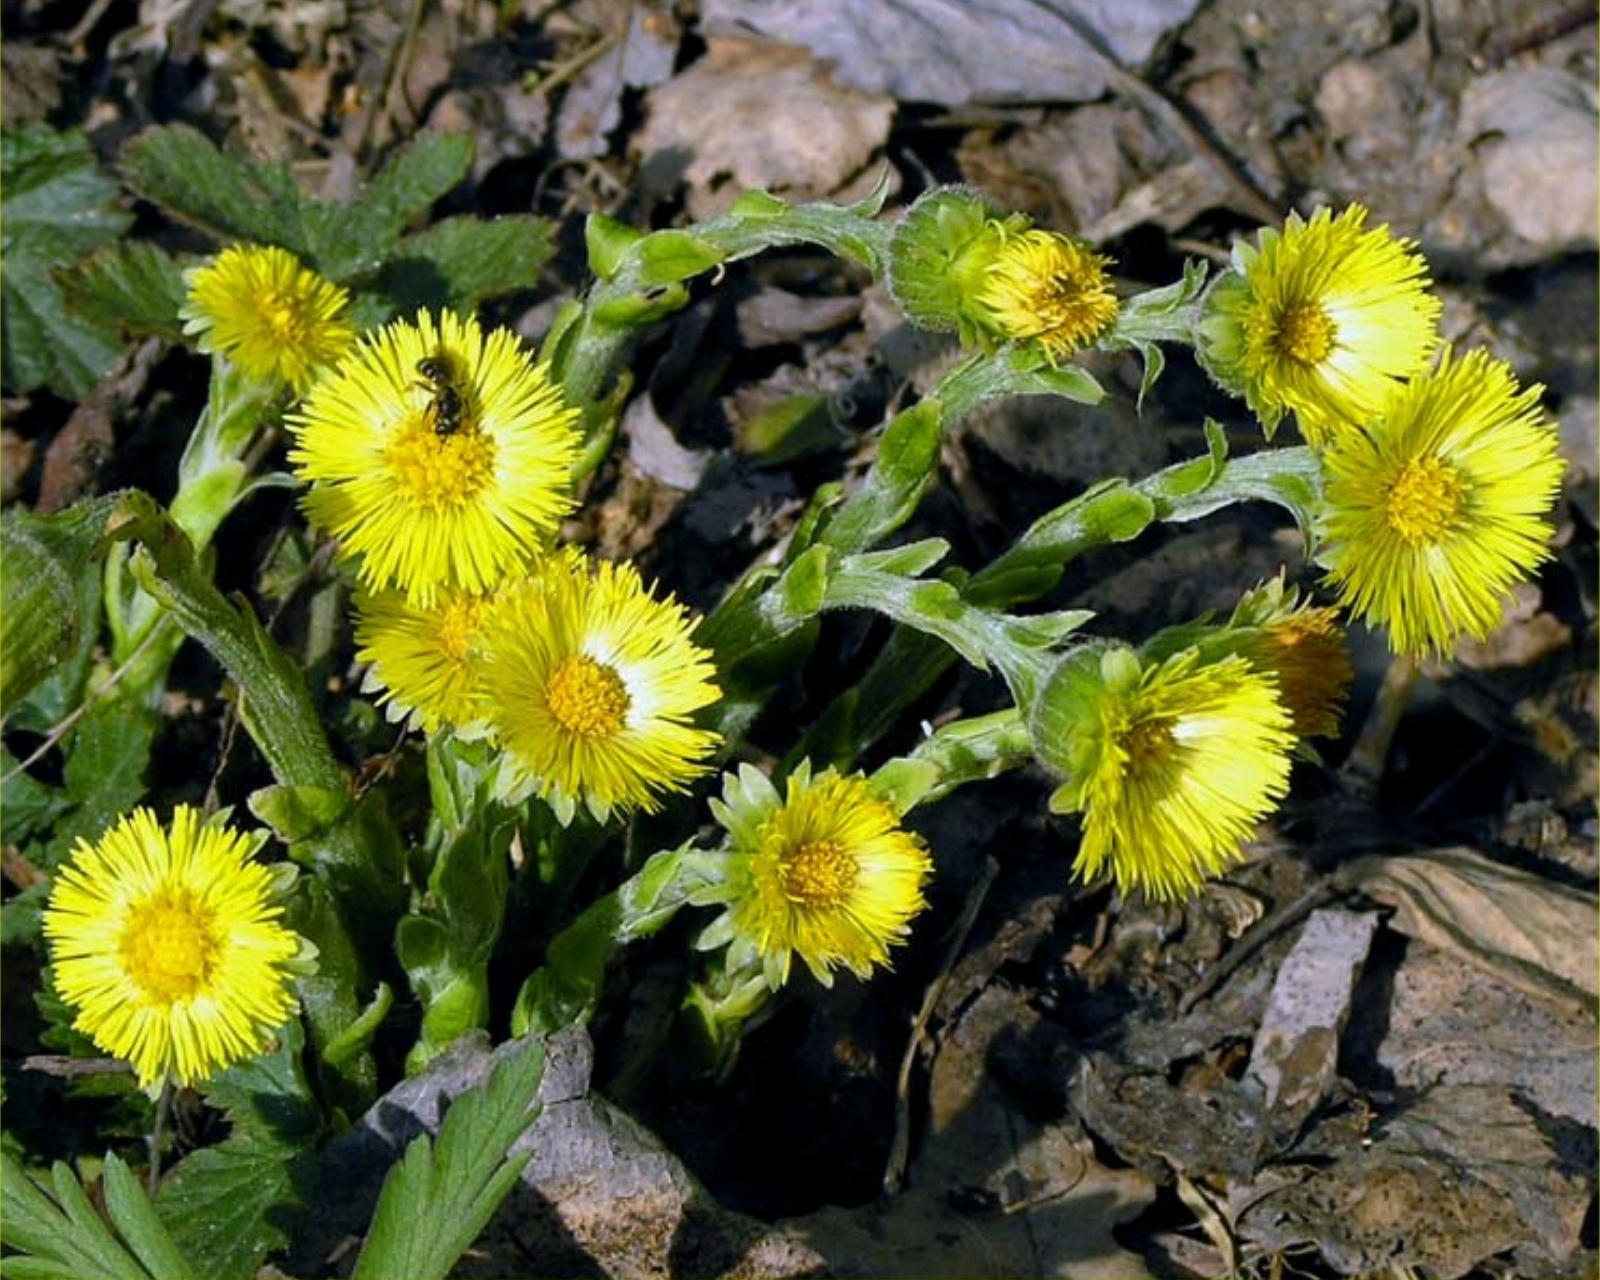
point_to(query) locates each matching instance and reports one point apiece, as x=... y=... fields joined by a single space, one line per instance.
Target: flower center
x=439 y=473
x=1424 y=501
x=817 y=873
x=459 y=624
x=1305 y=333
x=1149 y=744
x=587 y=697
x=283 y=313
x=169 y=947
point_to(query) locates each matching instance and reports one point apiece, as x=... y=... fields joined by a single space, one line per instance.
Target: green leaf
x=667 y=257
x=566 y=989
x=607 y=242
x=57 y=1233
x=28 y=808
x=350 y=239
x=229 y=1205
x=40 y=624
x=20 y=917
x=55 y=208
x=446 y=952
x=892 y=488
x=133 y=287
x=437 y=1200
x=109 y=752
x=182 y=170
x=465 y=260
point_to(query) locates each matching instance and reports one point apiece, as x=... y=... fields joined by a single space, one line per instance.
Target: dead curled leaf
x=756 y=115
x=1533 y=933
x=1461 y=1175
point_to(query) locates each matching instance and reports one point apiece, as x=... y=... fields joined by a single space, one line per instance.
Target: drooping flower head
x=955 y=262
x=1046 y=288
x=824 y=872
x=1171 y=764
x=425 y=661
x=1439 y=504
x=438 y=455
x=170 y=945
x=270 y=316
x=1323 y=319
x=590 y=684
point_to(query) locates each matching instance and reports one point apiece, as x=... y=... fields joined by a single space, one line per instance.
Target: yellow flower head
x=1172 y=764
x=270 y=316
x=1440 y=504
x=591 y=685
x=1046 y=288
x=1303 y=648
x=425 y=660
x=170 y=945
x=1322 y=318
x=826 y=873
x=439 y=456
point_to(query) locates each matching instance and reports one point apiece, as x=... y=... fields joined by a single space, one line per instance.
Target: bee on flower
x=438 y=456
x=1322 y=319
x=170 y=944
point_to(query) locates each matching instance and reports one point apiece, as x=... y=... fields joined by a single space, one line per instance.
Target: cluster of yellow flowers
x=1439 y=473
x=440 y=459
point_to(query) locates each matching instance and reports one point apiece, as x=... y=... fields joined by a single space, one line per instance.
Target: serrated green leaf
x=437 y=1200
x=182 y=170
x=135 y=1218
x=55 y=194
x=462 y=261
x=352 y=238
x=55 y=207
x=134 y=287
x=57 y=1233
x=20 y=916
x=108 y=754
x=227 y=1206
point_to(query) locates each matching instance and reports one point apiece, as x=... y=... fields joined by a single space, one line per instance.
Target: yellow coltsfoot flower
x=423 y=662
x=956 y=262
x=1046 y=288
x=170 y=945
x=1171 y=764
x=1435 y=508
x=825 y=872
x=1323 y=319
x=438 y=455
x=270 y=316
x=591 y=686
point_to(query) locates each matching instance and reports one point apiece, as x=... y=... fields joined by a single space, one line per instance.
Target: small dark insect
x=446 y=406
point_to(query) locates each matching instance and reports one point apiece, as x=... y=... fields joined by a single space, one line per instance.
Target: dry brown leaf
x=757 y=115
x=1531 y=932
